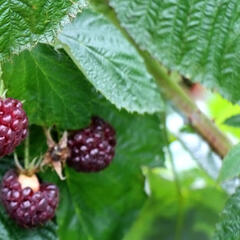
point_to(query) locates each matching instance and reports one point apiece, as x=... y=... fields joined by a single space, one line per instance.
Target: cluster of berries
x=26 y=200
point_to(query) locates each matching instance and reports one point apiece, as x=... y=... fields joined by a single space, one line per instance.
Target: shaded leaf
x=166 y=216
x=68 y=222
x=55 y=92
x=38 y=144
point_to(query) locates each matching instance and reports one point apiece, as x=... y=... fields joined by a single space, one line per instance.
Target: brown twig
x=179 y=98
x=173 y=92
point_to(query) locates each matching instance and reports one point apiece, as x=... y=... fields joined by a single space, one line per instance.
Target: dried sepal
x=57 y=153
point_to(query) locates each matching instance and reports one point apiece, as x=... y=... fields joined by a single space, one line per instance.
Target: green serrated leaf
x=23 y=23
x=54 y=90
x=233 y=121
x=231 y=164
x=108 y=202
x=200 y=39
x=229 y=226
x=110 y=63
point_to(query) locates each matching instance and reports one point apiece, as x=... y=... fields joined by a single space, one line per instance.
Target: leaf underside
x=200 y=39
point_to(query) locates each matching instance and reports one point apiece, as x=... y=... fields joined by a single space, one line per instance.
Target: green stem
x=169 y=153
x=180 y=217
x=173 y=92
x=179 y=98
x=2 y=88
x=26 y=153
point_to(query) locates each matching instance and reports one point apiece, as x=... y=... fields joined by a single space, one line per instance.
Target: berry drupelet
x=13 y=125
x=27 y=201
x=92 y=149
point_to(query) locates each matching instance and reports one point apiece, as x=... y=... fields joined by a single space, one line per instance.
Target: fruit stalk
x=179 y=98
x=172 y=90
x=26 y=153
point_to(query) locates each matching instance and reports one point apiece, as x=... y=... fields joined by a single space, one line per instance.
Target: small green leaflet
x=231 y=164
x=233 y=121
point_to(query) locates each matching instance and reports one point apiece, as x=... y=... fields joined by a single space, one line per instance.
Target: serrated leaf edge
x=50 y=36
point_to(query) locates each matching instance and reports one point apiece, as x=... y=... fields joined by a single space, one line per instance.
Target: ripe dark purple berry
x=27 y=201
x=13 y=125
x=92 y=149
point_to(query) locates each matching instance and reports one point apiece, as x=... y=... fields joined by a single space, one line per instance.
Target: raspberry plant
x=13 y=125
x=92 y=149
x=26 y=201
x=131 y=64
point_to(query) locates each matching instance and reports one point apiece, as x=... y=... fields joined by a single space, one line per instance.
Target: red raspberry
x=13 y=125
x=92 y=148
x=26 y=201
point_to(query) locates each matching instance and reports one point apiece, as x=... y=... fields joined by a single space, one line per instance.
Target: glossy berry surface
x=26 y=207
x=92 y=149
x=13 y=125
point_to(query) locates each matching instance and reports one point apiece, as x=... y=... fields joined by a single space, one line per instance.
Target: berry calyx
x=13 y=125
x=57 y=153
x=29 y=204
x=92 y=149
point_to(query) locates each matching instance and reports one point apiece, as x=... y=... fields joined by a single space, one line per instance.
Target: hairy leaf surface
x=200 y=39
x=110 y=63
x=23 y=23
